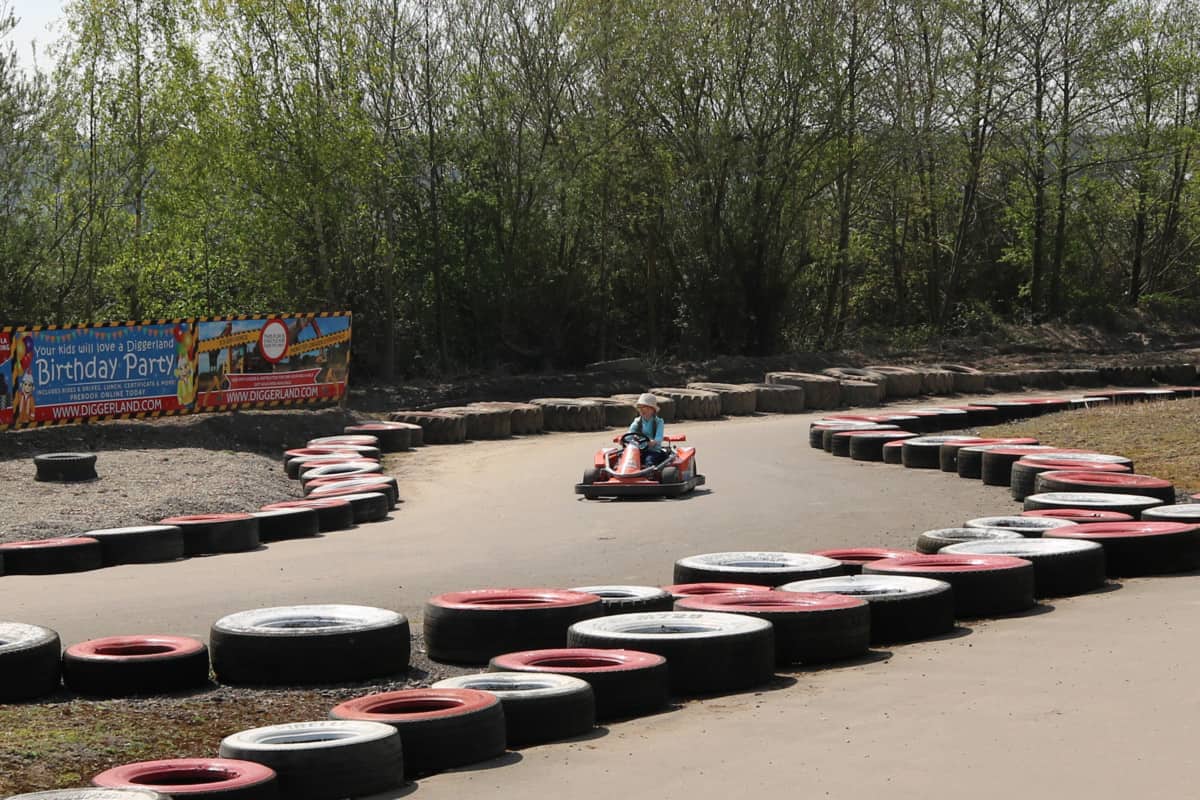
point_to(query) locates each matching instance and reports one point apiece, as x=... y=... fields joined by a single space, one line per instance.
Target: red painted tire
x=363 y=440
x=325 y=450
x=1196 y=497
x=1096 y=481
x=195 y=777
x=853 y=558
x=117 y=666
x=836 y=441
x=204 y=534
x=357 y=484
x=333 y=513
x=809 y=627
x=1140 y=548
x=1080 y=515
x=296 y=466
x=868 y=445
x=679 y=590
x=893 y=452
x=983 y=585
x=471 y=627
x=626 y=683
x=367 y=505
x=439 y=728
x=51 y=556
x=997 y=462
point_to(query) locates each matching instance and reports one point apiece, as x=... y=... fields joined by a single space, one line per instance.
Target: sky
x=33 y=18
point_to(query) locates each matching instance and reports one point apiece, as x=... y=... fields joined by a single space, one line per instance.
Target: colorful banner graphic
x=51 y=375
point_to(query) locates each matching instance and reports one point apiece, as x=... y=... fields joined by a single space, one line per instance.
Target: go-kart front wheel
x=591 y=475
x=671 y=475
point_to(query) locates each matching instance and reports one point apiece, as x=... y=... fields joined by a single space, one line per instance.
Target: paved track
x=1096 y=695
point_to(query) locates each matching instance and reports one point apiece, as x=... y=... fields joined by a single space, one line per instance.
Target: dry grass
x=1163 y=438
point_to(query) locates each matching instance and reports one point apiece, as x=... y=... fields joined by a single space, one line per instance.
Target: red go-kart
x=618 y=471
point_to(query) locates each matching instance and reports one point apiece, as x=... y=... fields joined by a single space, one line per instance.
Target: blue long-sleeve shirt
x=652 y=429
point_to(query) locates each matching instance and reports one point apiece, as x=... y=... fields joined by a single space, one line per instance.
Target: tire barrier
x=761 y=568
x=1061 y=567
x=471 y=627
x=862 y=394
x=924 y=452
x=679 y=590
x=323 y=760
x=820 y=391
x=853 y=559
x=394 y=437
x=705 y=651
x=691 y=403
x=52 y=556
x=436 y=427
x=65 y=467
x=778 y=398
x=984 y=586
x=538 y=708
x=617 y=413
x=1025 y=471
x=1029 y=527
x=809 y=628
x=139 y=544
x=1080 y=515
x=868 y=445
x=1130 y=504
x=346 y=487
x=569 y=414
x=900 y=381
x=205 y=534
x=625 y=683
x=931 y=542
x=439 y=728
x=839 y=439
x=903 y=609
x=365 y=504
x=1111 y=482
x=194 y=777
x=483 y=422
x=524 y=419
x=120 y=666
x=629 y=599
x=964 y=379
x=278 y=524
x=736 y=400
x=30 y=662
x=1134 y=549
x=311 y=644
x=1184 y=512
x=333 y=513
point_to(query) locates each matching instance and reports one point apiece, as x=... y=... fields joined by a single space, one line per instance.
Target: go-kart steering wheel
x=639 y=439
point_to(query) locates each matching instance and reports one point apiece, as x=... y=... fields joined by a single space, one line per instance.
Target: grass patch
x=62 y=745
x=1162 y=438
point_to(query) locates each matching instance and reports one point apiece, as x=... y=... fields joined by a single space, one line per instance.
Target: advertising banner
x=55 y=375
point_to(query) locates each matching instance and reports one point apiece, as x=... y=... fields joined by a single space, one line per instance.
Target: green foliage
x=531 y=183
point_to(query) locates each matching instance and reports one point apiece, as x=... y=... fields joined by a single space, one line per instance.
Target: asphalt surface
x=1091 y=694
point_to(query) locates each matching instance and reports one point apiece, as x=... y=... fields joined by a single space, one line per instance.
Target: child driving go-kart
x=646 y=464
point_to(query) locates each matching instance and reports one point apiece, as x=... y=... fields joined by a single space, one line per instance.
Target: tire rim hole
x=416 y=706
x=134 y=649
x=312 y=622
x=185 y=777
x=577 y=663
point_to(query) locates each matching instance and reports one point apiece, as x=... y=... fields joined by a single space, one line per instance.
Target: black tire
x=287 y=523
x=933 y=541
x=366 y=506
x=471 y=628
x=1029 y=527
x=736 y=400
x=592 y=475
x=706 y=652
x=30 y=662
x=394 y=437
x=893 y=454
x=1141 y=548
x=1061 y=567
x=1130 y=504
x=369 y=483
x=778 y=398
x=537 y=708
x=333 y=513
x=923 y=452
x=121 y=666
x=839 y=443
x=868 y=445
x=998 y=586
x=360 y=469
x=621 y=599
x=436 y=427
x=625 y=683
x=1057 y=481
x=570 y=414
x=670 y=475
x=142 y=544
x=903 y=609
x=762 y=569
x=1021 y=482
x=948 y=455
x=996 y=464
x=1188 y=513
x=311 y=644
x=65 y=467
x=326 y=760
x=809 y=628
x=52 y=556
x=440 y=728
x=970 y=460
x=205 y=534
